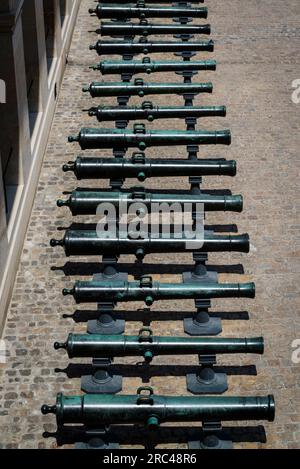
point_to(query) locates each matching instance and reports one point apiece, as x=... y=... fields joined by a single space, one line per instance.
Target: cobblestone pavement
x=257 y=47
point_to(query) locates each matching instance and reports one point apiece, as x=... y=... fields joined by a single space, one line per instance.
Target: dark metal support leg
x=97 y=439
x=213 y=438
x=201 y=323
x=101 y=381
x=106 y=323
x=207 y=381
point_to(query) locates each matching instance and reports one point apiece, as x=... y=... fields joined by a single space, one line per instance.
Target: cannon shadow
x=138 y=269
x=228 y=228
x=146 y=316
x=146 y=372
x=155 y=191
x=138 y=435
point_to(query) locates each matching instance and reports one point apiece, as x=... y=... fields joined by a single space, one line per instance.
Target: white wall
x=28 y=148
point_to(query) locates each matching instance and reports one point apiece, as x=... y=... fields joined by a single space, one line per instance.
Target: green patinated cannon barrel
x=110 y=67
x=86 y=202
x=138 y=137
x=145 y=47
x=147 y=345
x=150 y=112
x=141 y=89
x=90 y=243
x=122 y=11
x=129 y=29
x=98 y=410
x=148 y=291
x=141 y=168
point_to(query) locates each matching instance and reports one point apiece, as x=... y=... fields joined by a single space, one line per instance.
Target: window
x=49 y=19
x=31 y=56
x=10 y=177
x=11 y=166
x=63 y=10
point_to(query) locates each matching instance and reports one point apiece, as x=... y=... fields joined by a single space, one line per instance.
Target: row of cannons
x=100 y=417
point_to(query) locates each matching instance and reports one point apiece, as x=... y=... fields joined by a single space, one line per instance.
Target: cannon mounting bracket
x=200 y=272
x=191 y=123
x=123 y=100
x=186 y=55
x=184 y=37
x=187 y=74
x=214 y=437
x=126 y=77
x=182 y=20
x=207 y=381
x=193 y=151
x=116 y=20
x=97 y=438
x=188 y=97
x=185 y=19
x=201 y=323
x=138 y=157
x=127 y=57
x=117 y=184
x=107 y=322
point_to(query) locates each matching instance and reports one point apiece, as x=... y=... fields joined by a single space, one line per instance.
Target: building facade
x=35 y=37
